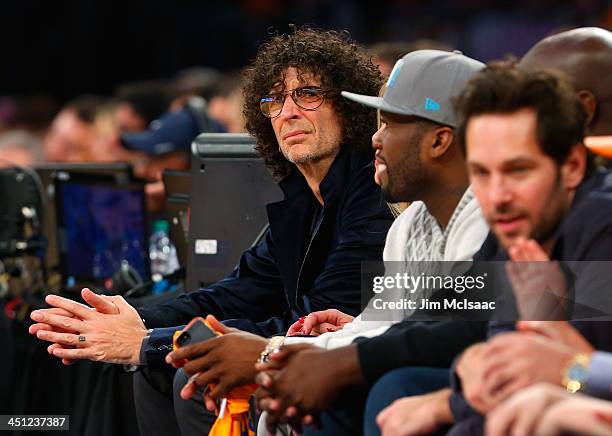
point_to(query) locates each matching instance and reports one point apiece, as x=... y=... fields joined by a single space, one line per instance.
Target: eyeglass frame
x=292 y=92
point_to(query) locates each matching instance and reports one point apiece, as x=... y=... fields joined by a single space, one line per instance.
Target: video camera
x=22 y=246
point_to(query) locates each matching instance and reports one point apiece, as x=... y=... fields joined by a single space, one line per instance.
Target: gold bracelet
x=575 y=373
x=274 y=345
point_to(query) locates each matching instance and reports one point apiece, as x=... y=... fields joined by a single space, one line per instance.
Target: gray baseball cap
x=423 y=83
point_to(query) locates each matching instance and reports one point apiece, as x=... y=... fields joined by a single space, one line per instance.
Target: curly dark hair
x=339 y=63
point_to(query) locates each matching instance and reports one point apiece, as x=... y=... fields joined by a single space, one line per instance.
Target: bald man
x=585 y=55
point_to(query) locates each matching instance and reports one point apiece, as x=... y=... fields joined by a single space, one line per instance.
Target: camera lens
x=183 y=338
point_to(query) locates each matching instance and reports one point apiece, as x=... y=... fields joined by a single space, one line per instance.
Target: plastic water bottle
x=162 y=252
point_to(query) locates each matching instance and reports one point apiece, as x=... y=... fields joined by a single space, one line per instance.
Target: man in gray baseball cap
x=417 y=158
x=416 y=154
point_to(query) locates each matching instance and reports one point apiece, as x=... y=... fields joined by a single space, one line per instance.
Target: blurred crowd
x=89 y=128
x=121 y=128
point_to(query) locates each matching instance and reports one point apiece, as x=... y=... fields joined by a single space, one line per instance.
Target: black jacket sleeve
x=418 y=344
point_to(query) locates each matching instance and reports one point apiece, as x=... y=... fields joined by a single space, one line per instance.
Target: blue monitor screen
x=104 y=226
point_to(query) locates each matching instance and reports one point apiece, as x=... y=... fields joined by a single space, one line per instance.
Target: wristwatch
x=575 y=373
x=274 y=345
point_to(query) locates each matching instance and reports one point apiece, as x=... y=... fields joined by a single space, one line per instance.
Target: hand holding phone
x=198 y=330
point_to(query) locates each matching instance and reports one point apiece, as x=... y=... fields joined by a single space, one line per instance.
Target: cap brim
x=367 y=100
x=141 y=141
x=174 y=131
x=374 y=102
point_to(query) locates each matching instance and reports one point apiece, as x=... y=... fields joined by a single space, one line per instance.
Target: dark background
x=67 y=48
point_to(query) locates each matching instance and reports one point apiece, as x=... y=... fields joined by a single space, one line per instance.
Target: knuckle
x=98 y=355
x=199 y=381
x=189 y=369
x=471 y=396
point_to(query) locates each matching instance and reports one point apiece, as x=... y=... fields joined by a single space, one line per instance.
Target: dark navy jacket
x=300 y=266
x=584 y=235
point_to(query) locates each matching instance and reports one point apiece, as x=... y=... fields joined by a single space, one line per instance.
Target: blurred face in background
x=107 y=146
x=384 y=66
x=127 y=120
x=15 y=155
x=228 y=111
x=151 y=168
x=69 y=139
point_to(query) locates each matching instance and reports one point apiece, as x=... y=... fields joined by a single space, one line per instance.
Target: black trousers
x=161 y=411
x=6 y=363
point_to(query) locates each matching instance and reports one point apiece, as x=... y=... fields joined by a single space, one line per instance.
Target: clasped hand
x=109 y=330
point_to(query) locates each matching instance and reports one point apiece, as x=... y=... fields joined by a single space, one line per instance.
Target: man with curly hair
x=333 y=217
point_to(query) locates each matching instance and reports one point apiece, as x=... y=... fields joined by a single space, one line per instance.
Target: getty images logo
x=431 y=105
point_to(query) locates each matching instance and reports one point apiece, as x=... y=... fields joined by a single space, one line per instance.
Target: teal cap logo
x=431 y=105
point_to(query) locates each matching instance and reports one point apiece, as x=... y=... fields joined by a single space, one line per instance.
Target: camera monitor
x=120 y=171
x=101 y=225
x=231 y=187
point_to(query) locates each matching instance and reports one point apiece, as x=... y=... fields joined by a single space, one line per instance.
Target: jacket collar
x=600 y=180
x=333 y=183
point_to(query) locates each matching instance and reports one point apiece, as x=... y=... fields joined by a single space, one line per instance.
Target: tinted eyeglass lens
x=307 y=97
x=271 y=105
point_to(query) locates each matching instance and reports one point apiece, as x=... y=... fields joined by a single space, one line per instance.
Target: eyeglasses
x=306 y=97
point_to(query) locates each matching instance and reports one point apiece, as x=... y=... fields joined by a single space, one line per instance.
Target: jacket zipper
x=314 y=234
